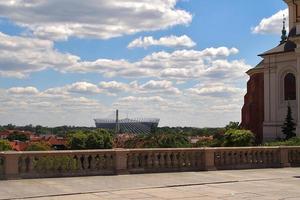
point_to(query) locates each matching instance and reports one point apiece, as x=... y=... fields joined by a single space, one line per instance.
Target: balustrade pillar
x=11 y=165
x=284 y=157
x=121 y=161
x=209 y=156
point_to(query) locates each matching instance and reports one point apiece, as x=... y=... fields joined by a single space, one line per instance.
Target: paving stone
x=266 y=184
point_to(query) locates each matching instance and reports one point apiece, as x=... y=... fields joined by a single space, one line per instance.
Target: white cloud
x=60 y=19
x=207 y=103
x=113 y=87
x=162 y=87
x=83 y=87
x=180 y=64
x=273 y=24
x=218 y=90
x=169 y=41
x=23 y=90
x=21 y=56
x=27 y=105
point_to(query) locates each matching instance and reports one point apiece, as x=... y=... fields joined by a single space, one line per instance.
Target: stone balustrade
x=1 y=167
x=15 y=165
x=245 y=158
x=165 y=160
x=294 y=156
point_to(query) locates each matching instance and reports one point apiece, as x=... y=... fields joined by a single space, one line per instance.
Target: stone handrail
x=15 y=165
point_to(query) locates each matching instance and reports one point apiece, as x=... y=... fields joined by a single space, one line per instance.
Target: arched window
x=290 y=87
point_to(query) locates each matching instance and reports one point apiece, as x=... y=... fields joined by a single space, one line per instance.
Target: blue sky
x=56 y=68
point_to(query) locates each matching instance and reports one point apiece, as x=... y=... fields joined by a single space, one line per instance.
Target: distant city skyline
x=67 y=62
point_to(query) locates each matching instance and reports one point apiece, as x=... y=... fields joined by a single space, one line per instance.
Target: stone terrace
x=266 y=184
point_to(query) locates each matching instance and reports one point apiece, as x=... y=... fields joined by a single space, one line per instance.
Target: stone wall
x=16 y=165
x=253 y=109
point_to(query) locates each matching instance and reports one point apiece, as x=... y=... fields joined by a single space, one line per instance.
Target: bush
x=77 y=141
x=173 y=141
x=232 y=125
x=61 y=163
x=238 y=138
x=4 y=145
x=99 y=140
x=38 y=146
x=18 y=136
x=290 y=142
x=161 y=140
x=209 y=142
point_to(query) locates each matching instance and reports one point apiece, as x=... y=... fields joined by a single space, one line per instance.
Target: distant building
x=134 y=126
x=274 y=83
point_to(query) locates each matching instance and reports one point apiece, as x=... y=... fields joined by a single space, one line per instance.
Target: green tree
x=100 y=139
x=289 y=127
x=10 y=127
x=238 y=138
x=4 y=145
x=38 y=146
x=77 y=141
x=18 y=136
x=232 y=125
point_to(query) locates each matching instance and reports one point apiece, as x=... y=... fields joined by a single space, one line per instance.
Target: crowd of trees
x=164 y=137
x=96 y=139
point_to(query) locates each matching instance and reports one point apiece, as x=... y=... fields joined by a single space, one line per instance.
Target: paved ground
x=267 y=184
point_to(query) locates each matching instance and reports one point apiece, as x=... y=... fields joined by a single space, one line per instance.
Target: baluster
x=193 y=159
x=151 y=160
x=228 y=158
x=129 y=161
x=145 y=160
x=255 y=157
x=111 y=161
x=93 y=162
x=136 y=160
x=180 y=160
x=22 y=164
x=184 y=159
x=172 y=158
x=262 y=157
x=235 y=157
x=223 y=158
x=156 y=160
x=168 y=160
x=266 y=157
x=140 y=160
x=246 y=157
x=85 y=162
x=78 y=162
x=272 y=160
x=31 y=164
x=198 y=159
x=105 y=161
x=241 y=158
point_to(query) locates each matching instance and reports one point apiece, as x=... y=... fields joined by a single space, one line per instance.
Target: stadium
x=127 y=125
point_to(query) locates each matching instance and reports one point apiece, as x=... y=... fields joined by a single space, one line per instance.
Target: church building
x=274 y=84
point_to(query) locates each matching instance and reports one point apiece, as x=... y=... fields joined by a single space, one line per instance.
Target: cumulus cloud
x=216 y=90
x=169 y=41
x=21 y=56
x=180 y=64
x=23 y=90
x=60 y=19
x=271 y=25
x=83 y=87
x=79 y=103
x=27 y=105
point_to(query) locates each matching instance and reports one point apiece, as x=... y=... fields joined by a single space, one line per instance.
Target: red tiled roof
x=18 y=145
